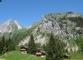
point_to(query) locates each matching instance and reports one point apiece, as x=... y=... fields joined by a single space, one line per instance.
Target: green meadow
x=17 y=55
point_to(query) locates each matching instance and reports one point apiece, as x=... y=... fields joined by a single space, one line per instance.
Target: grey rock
x=64 y=28
x=53 y=26
x=8 y=26
x=73 y=14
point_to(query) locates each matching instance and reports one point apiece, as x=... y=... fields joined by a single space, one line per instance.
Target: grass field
x=17 y=55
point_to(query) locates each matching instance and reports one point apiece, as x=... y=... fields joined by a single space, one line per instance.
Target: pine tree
x=0 y=47
x=31 y=45
x=54 y=49
x=3 y=47
x=6 y=45
x=9 y=45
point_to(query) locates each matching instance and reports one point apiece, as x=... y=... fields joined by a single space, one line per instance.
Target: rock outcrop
x=61 y=24
x=8 y=26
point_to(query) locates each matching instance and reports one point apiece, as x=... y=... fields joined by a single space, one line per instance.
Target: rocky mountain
x=67 y=26
x=8 y=26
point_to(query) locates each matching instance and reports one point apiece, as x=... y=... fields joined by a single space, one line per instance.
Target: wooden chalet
x=40 y=52
x=66 y=57
x=23 y=50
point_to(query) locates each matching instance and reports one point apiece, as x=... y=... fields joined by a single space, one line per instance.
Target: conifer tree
x=31 y=45
x=9 y=45
x=54 y=49
x=0 y=47
x=3 y=43
x=6 y=45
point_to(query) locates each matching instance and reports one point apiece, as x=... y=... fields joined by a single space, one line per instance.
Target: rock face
x=54 y=26
x=8 y=26
x=61 y=24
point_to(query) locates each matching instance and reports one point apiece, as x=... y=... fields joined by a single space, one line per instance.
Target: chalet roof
x=39 y=49
x=23 y=47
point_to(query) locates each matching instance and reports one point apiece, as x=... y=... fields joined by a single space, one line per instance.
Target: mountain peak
x=19 y=27
x=8 y=22
x=8 y=26
x=16 y=22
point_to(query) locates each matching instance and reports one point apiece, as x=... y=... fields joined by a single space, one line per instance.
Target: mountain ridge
x=8 y=26
x=66 y=26
x=62 y=26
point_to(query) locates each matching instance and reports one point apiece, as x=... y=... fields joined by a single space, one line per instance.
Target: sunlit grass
x=17 y=55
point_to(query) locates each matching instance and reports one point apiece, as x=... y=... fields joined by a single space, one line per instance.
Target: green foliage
x=80 y=43
x=15 y=28
x=77 y=20
x=10 y=45
x=72 y=42
x=38 y=45
x=17 y=48
x=76 y=55
x=21 y=35
x=3 y=47
x=54 y=49
x=44 y=47
x=31 y=45
x=63 y=16
x=6 y=45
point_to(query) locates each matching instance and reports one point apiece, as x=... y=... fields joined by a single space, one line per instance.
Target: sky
x=26 y=12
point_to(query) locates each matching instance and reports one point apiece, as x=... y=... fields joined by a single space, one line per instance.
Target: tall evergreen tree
x=3 y=47
x=6 y=45
x=31 y=45
x=54 y=49
x=9 y=45
x=0 y=47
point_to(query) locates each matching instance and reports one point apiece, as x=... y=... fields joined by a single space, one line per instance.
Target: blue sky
x=26 y=12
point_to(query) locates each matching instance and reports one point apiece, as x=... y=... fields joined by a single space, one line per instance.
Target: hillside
x=66 y=26
x=17 y=55
x=10 y=28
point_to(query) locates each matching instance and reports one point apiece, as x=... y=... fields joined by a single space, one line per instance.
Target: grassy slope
x=16 y=55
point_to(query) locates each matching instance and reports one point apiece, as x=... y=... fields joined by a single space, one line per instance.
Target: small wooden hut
x=66 y=57
x=23 y=50
x=40 y=52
